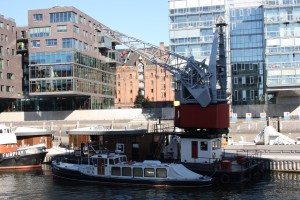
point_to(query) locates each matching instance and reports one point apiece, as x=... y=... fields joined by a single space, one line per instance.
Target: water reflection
x=39 y=184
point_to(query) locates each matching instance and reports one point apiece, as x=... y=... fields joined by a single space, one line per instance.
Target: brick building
x=10 y=62
x=156 y=84
x=67 y=64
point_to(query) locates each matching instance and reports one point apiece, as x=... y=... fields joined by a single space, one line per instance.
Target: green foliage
x=141 y=101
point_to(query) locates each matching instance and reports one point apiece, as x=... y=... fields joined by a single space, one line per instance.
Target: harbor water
x=39 y=184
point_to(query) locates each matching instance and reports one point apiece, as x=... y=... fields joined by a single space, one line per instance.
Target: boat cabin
x=117 y=165
x=198 y=150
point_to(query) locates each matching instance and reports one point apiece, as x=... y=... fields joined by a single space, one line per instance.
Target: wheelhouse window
x=149 y=172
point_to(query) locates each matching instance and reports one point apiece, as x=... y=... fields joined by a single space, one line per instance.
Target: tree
x=141 y=101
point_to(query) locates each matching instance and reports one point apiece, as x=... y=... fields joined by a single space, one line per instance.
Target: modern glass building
x=192 y=24
x=262 y=45
x=282 y=36
x=246 y=44
x=71 y=65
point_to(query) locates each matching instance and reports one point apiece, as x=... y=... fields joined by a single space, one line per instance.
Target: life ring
x=17 y=157
x=225 y=178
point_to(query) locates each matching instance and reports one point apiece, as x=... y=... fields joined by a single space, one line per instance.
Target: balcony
x=22 y=47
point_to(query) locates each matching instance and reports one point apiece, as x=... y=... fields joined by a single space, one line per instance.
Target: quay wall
x=284 y=158
x=240 y=129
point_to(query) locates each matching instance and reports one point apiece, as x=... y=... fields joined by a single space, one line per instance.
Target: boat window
x=137 y=172
x=123 y=159
x=203 y=146
x=149 y=172
x=116 y=160
x=111 y=161
x=115 y=171
x=161 y=173
x=126 y=171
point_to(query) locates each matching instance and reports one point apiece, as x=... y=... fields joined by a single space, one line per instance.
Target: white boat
x=113 y=168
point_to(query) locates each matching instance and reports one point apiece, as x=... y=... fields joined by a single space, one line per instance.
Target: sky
x=146 y=20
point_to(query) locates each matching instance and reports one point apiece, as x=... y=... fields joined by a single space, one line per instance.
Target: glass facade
x=72 y=73
x=282 y=31
x=63 y=17
x=247 y=55
x=191 y=29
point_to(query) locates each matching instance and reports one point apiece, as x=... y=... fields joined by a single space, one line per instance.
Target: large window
x=51 y=57
x=40 y=32
x=69 y=43
x=63 y=17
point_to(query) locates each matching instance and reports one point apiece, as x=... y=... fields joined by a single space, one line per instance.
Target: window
x=244 y=96
x=62 y=28
x=149 y=172
x=251 y=79
x=1 y=75
x=234 y=67
x=1 y=25
x=115 y=171
x=126 y=171
x=216 y=144
x=63 y=17
x=1 y=64
x=120 y=147
x=1 y=51
x=243 y=80
x=137 y=172
x=7 y=27
x=75 y=29
x=40 y=32
x=203 y=146
x=37 y=17
x=235 y=95
x=67 y=43
x=51 y=42
x=236 y=80
x=161 y=173
x=252 y=94
x=251 y=67
x=10 y=76
x=35 y=43
x=243 y=67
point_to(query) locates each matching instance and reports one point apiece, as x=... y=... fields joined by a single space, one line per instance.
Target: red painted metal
x=193 y=116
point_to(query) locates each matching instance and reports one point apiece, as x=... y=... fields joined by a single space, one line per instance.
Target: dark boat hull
x=23 y=161
x=68 y=174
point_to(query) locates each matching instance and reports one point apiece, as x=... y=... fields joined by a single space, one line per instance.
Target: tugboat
x=113 y=168
x=12 y=157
